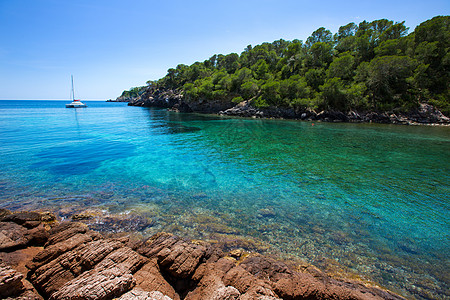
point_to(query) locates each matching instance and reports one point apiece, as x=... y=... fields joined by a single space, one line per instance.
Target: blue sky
x=113 y=45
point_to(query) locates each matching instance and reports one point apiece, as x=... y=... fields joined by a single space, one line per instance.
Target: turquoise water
x=365 y=199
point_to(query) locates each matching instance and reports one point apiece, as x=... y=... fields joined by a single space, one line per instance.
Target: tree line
x=370 y=66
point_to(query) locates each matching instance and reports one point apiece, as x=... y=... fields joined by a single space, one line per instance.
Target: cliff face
x=174 y=100
x=164 y=98
x=122 y=99
x=425 y=114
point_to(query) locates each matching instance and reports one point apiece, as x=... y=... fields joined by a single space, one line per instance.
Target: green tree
x=320 y=35
x=249 y=89
x=270 y=92
x=345 y=38
x=228 y=62
x=342 y=67
x=387 y=81
x=315 y=78
x=333 y=94
x=319 y=55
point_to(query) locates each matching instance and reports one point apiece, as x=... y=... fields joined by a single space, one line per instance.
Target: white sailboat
x=75 y=102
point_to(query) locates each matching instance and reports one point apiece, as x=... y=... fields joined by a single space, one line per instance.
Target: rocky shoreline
x=42 y=258
x=425 y=114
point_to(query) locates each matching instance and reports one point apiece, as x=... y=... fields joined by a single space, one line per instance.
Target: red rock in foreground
x=77 y=263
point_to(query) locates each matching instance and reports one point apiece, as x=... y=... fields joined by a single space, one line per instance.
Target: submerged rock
x=103 y=222
x=266 y=213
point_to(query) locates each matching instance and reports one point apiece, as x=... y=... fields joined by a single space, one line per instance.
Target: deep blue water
x=363 y=199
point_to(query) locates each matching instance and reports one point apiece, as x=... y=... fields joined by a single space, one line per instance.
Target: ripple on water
x=81 y=157
x=370 y=199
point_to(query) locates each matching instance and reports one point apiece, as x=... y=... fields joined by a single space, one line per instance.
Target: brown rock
x=226 y=293
x=13 y=236
x=156 y=243
x=259 y=292
x=55 y=250
x=22 y=217
x=209 y=277
x=149 y=278
x=19 y=258
x=98 y=285
x=213 y=253
x=265 y=268
x=50 y=277
x=10 y=282
x=4 y=212
x=207 y=288
x=181 y=258
x=31 y=224
x=27 y=295
x=64 y=231
x=236 y=253
x=78 y=263
x=303 y=286
x=38 y=236
x=47 y=216
x=175 y=255
x=13 y=285
x=136 y=294
x=239 y=278
x=124 y=258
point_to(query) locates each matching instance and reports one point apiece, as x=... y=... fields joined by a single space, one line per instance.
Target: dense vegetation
x=133 y=92
x=371 y=66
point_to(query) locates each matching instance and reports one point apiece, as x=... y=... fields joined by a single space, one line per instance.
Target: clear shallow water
x=349 y=198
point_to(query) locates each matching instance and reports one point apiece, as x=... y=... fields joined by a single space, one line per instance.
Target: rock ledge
x=78 y=263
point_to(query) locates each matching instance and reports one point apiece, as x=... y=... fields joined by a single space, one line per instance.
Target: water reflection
x=163 y=122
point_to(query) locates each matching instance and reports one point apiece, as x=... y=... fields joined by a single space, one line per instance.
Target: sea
x=363 y=201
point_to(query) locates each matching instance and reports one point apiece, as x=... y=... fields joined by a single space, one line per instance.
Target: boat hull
x=75 y=105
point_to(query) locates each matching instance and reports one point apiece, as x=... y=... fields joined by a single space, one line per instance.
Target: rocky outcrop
x=424 y=114
x=10 y=281
x=175 y=101
x=95 y=284
x=78 y=263
x=121 y=99
x=152 y=97
x=16 y=231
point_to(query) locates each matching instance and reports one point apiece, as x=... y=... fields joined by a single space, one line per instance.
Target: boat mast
x=73 y=93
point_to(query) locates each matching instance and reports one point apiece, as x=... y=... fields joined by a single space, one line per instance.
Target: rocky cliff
x=44 y=259
x=173 y=100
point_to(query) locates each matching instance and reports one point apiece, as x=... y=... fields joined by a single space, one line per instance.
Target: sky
x=110 y=45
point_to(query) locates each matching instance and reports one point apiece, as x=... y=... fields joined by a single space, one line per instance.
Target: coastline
x=425 y=114
x=44 y=258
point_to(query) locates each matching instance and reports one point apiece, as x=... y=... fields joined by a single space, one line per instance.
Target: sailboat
x=75 y=102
